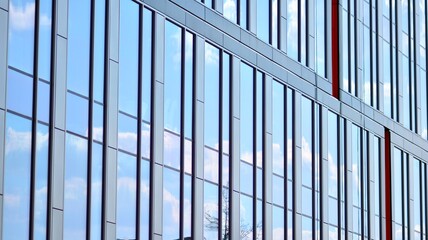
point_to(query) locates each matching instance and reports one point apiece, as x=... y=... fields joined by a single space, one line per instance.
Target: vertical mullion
x=299 y=32
x=313 y=165
x=285 y=158
x=254 y=151
x=90 y=121
x=34 y=121
x=139 y=119
x=220 y=150
x=182 y=129
x=105 y=121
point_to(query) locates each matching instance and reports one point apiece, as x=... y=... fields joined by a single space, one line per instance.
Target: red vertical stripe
x=388 y=209
x=335 y=47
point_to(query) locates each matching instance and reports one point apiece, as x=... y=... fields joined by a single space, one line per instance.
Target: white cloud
x=387 y=89
x=78 y=143
x=75 y=188
x=127 y=184
x=12 y=200
x=127 y=141
x=211 y=164
x=21 y=141
x=306 y=153
x=229 y=10
x=23 y=17
x=17 y=141
x=174 y=204
x=211 y=54
x=278 y=234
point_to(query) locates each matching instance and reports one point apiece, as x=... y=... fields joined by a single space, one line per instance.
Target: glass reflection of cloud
x=229 y=10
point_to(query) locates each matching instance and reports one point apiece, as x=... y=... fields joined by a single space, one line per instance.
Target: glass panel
x=246 y=217
x=77 y=114
x=290 y=130
x=332 y=154
x=144 y=199
x=356 y=165
x=145 y=140
x=306 y=142
x=187 y=211
x=211 y=159
x=246 y=178
x=128 y=54
x=263 y=13
x=397 y=192
x=306 y=228
x=344 y=55
x=41 y=182
x=259 y=187
x=243 y=13
x=171 y=204
x=416 y=198
x=225 y=213
x=126 y=209
x=78 y=42
x=406 y=92
x=21 y=35
x=127 y=133
x=17 y=166
x=292 y=32
x=212 y=96
x=96 y=190
x=172 y=85
x=226 y=103
x=259 y=120
x=274 y=23
x=246 y=123
x=303 y=33
x=387 y=79
x=45 y=29
x=97 y=122
x=188 y=94
x=366 y=64
x=278 y=121
x=99 y=38
x=320 y=38
x=278 y=190
x=307 y=201
x=259 y=221
x=424 y=104
x=229 y=10
x=278 y=223
x=75 y=187
x=43 y=101
x=19 y=93
x=171 y=149
x=147 y=64
x=210 y=211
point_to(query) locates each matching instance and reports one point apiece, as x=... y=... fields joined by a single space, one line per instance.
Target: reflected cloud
x=12 y=200
x=211 y=164
x=387 y=89
x=17 y=141
x=78 y=143
x=278 y=234
x=174 y=204
x=22 y=17
x=306 y=153
x=75 y=188
x=211 y=55
x=229 y=10
x=292 y=19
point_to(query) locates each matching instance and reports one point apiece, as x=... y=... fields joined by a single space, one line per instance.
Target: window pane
x=45 y=29
x=246 y=218
x=128 y=54
x=41 y=184
x=127 y=133
x=96 y=190
x=21 y=35
x=320 y=38
x=99 y=39
x=171 y=149
x=278 y=223
x=306 y=142
x=210 y=211
x=19 y=93
x=212 y=96
x=246 y=178
x=97 y=122
x=292 y=24
x=147 y=63
x=332 y=154
x=243 y=13
x=78 y=42
x=229 y=9
x=77 y=114
x=145 y=198
x=278 y=121
x=172 y=85
x=263 y=20
x=17 y=166
x=187 y=211
x=246 y=123
x=278 y=190
x=126 y=196
x=43 y=101
x=211 y=159
x=171 y=204
x=75 y=187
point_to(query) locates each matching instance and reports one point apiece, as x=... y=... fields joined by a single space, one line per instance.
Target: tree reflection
x=212 y=222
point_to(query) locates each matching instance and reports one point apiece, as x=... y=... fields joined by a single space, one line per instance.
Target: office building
x=213 y=119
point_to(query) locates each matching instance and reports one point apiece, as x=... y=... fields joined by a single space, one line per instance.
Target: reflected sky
x=212 y=96
x=128 y=54
x=171 y=204
x=306 y=141
x=278 y=128
x=229 y=10
x=19 y=93
x=21 y=34
x=16 y=198
x=78 y=41
x=292 y=24
x=172 y=84
x=246 y=123
x=126 y=195
x=210 y=211
x=75 y=185
x=246 y=217
x=77 y=114
x=263 y=14
x=96 y=190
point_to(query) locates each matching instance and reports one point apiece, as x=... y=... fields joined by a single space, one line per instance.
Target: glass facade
x=213 y=119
